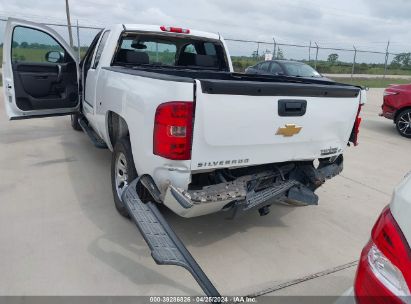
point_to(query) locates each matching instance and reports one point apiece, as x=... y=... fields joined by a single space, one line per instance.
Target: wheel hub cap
x=404 y=124
x=121 y=176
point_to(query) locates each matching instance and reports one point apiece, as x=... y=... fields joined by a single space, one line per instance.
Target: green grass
x=325 y=67
x=372 y=82
x=240 y=63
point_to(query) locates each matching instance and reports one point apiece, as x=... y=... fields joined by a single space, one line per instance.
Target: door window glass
x=31 y=45
x=275 y=68
x=100 y=48
x=156 y=51
x=264 y=66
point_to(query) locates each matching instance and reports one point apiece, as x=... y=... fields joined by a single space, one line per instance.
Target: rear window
x=158 y=52
x=136 y=49
x=300 y=70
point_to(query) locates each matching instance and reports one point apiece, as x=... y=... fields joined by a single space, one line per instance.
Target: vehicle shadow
x=206 y=230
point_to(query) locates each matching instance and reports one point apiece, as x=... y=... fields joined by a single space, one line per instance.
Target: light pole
x=69 y=23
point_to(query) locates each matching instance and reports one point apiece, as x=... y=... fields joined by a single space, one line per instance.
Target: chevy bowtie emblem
x=288 y=130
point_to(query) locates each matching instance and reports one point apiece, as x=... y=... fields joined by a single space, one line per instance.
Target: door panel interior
x=44 y=72
x=45 y=85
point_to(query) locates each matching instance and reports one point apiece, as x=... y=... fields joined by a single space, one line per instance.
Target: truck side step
x=97 y=140
x=166 y=248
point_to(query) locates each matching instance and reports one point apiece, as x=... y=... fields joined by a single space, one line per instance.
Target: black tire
x=74 y=122
x=122 y=149
x=403 y=123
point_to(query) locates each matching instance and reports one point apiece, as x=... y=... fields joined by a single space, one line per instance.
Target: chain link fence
x=348 y=62
x=325 y=59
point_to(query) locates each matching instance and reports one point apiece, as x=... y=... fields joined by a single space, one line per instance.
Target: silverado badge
x=288 y=130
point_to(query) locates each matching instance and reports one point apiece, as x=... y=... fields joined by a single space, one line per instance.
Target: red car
x=397 y=106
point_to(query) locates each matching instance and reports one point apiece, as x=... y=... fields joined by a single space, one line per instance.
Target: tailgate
x=241 y=123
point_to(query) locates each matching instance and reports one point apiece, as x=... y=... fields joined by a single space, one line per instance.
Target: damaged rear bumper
x=253 y=192
x=226 y=196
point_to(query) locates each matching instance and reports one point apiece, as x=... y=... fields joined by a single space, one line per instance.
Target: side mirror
x=54 y=56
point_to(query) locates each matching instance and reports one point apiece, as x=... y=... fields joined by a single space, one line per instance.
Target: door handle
x=59 y=74
x=290 y=107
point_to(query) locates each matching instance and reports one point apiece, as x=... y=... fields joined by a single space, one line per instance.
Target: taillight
x=384 y=270
x=173 y=130
x=356 y=128
x=173 y=29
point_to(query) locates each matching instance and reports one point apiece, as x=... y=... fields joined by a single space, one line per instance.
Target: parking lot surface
x=61 y=235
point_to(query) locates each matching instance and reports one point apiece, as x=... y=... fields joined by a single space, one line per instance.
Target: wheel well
x=117 y=127
x=399 y=111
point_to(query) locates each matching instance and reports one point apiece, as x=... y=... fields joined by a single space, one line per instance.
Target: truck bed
x=189 y=75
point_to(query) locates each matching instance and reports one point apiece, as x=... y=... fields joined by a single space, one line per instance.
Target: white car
x=384 y=269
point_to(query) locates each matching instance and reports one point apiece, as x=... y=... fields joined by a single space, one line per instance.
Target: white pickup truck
x=184 y=129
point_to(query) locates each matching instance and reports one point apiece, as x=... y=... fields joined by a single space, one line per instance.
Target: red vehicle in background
x=397 y=106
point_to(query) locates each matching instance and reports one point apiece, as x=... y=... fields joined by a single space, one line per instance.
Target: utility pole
x=78 y=43
x=386 y=59
x=353 y=62
x=69 y=23
x=309 y=53
x=316 y=55
x=274 y=47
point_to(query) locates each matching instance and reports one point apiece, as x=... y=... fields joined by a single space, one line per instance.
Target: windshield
x=299 y=69
x=136 y=49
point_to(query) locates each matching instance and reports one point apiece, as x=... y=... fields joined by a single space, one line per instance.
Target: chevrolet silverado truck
x=184 y=129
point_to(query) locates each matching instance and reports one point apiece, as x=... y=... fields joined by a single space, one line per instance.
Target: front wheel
x=403 y=123
x=123 y=172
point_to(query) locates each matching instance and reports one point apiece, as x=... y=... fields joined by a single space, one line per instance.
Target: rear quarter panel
x=136 y=99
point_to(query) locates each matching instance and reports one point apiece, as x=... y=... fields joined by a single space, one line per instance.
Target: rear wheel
x=74 y=122
x=403 y=123
x=122 y=172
